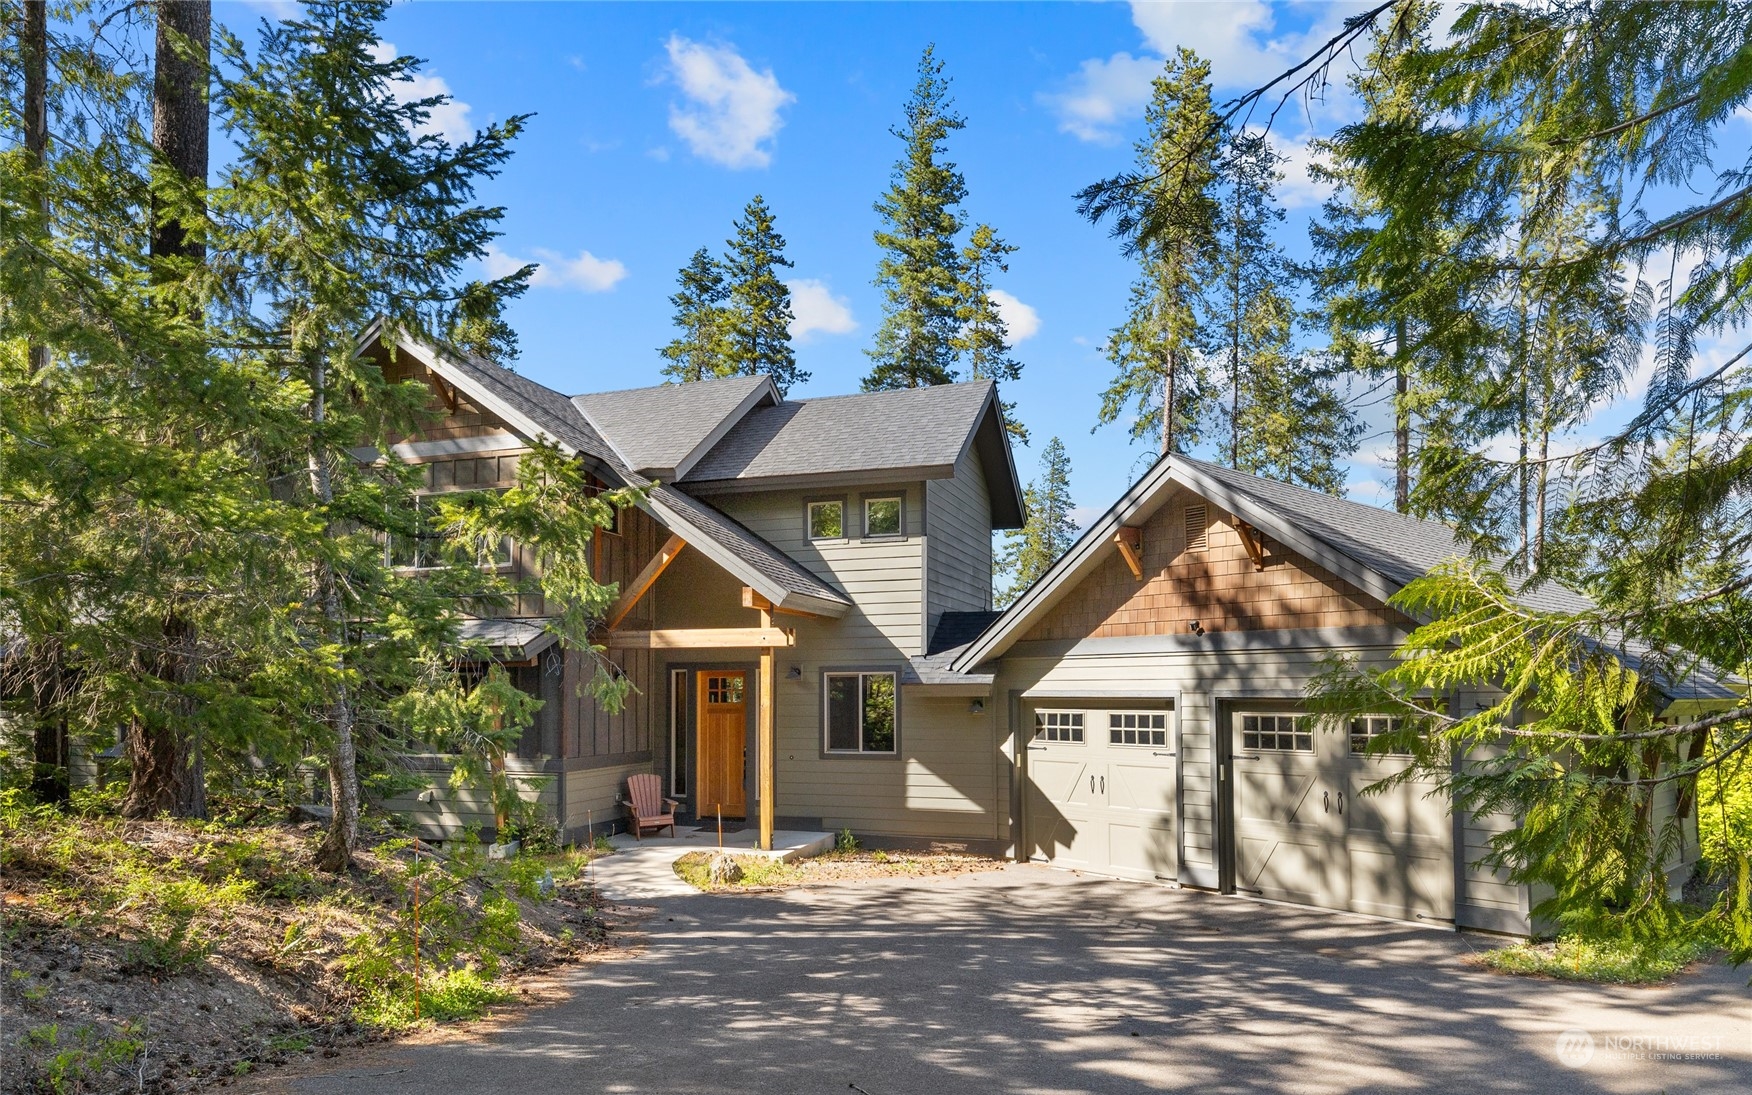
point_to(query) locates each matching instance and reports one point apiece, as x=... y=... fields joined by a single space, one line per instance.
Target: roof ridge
x=666 y=385
x=892 y=391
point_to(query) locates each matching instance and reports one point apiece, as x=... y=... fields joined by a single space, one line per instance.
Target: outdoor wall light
x=1193 y=626
x=795 y=673
x=976 y=707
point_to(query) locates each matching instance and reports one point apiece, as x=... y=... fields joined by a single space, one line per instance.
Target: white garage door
x=1100 y=791
x=1306 y=832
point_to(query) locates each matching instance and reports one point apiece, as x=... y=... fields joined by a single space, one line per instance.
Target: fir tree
x=920 y=273
x=1160 y=350
x=984 y=337
x=757 y=337
x=1048 y=531
x=698 y=352
x=1285 y=418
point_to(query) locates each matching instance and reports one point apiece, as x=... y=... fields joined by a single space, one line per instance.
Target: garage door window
x=1137 y=728
x=1277 y=733
x=1062 y=726
x=1364 y=731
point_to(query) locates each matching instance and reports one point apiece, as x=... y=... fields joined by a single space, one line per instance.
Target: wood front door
x=723 y=742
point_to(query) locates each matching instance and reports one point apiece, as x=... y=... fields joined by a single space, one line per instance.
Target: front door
x=723 y=737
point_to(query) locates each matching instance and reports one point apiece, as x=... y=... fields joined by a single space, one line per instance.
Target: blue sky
x=655 y=124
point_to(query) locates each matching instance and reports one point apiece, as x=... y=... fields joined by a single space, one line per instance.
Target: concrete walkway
x=1029 y=981
x=644 y=870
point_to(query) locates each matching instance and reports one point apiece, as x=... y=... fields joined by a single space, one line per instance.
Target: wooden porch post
x=766 y=760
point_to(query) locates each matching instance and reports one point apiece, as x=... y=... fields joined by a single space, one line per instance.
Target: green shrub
x=451 y=994
x=1724 y=816
x=845 y=841
x=1612 y=961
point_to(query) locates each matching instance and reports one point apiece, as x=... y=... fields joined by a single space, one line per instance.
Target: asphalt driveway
x=1031 y=980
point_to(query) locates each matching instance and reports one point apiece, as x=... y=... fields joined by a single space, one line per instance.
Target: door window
x=1060 y=726
x=1137 y=728
x=1276 y=733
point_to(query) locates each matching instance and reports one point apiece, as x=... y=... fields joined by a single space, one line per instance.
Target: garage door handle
x=1161 y=754
x=1341 y=802
x=1104 y=785
x=1091 y=784
x=1326 y=802
x=1255 y=757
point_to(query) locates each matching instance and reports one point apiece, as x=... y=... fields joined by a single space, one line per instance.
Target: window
x=1139 y=728
x=428 y=547
x=1280 y=733
x=724 y=689
x=1364 y=730
x=1065 y=726
x=678 y=733
x=882 y=517
x=859 y=711
x=827 y=520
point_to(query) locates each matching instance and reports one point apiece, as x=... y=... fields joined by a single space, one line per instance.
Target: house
x=806 y=614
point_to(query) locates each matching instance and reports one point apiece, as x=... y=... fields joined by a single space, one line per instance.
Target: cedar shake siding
x=1217 y=586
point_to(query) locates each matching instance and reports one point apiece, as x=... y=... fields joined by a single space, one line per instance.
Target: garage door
x=1100 y=788
x=1306 y=832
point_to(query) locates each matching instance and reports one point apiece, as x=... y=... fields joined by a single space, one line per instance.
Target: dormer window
x=882 y=517
x=827 y=519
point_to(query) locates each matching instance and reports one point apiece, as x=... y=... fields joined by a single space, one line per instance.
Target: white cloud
x=1103 y=96
x=1298 y=189
x=586 y=273
x=815 y=308
x=1020 y=320
x=1241 y=40
x=732 y=111
x=449 y=120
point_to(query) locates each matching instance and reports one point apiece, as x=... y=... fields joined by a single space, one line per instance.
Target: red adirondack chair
x=649 y=808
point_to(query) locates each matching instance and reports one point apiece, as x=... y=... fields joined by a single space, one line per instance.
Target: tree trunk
x=336 y=852
x=1401 y=422
x=168 y=773
x=49 y=779
x=1168 y=407
x=179 y=112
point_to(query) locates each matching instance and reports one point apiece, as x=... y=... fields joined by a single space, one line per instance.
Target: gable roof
x=1377 y=550
x=869 y=437
x=539 y=412
x=661 y=432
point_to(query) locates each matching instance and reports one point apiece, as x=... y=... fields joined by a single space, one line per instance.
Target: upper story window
x=827 y=520
x=427 y=548
x=882 y=516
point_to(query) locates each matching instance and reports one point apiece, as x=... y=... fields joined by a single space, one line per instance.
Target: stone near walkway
x=640 y=870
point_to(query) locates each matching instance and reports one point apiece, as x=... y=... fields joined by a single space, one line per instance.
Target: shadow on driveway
x=1030 y=980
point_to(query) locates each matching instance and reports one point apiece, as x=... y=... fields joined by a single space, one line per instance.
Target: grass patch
x=1605 y=961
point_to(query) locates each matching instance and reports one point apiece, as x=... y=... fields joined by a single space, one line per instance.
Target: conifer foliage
x=938 y=313
x=734 y=314
x=1048 y=531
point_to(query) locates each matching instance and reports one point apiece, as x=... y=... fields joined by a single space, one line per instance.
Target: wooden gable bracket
x=751 y=599
x=1250 y=540
x=1130 y=541
x=445 y=391
x=647 y=578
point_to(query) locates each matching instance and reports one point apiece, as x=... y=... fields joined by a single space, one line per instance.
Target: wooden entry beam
x=647 y=578
x=751 y=599
x=766 y=738
x=702 y=638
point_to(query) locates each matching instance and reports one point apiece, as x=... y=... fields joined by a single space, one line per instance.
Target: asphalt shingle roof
x=957 y=629
x=873 y=431
x=655 y=429
x=556 y=415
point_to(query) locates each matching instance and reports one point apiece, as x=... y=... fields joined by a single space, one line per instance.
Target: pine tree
x=1161 y=348
x=1048 y=531
x=984 y=337
x=698 y=352
x=757 y=337
x=1286 y=420
x=920 y=273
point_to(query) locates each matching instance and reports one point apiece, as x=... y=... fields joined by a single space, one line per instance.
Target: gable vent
x=1197 y=530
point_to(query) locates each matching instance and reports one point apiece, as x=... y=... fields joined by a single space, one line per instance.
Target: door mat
x=729 y=827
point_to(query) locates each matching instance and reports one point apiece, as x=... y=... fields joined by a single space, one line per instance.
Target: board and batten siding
x=958 y=548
